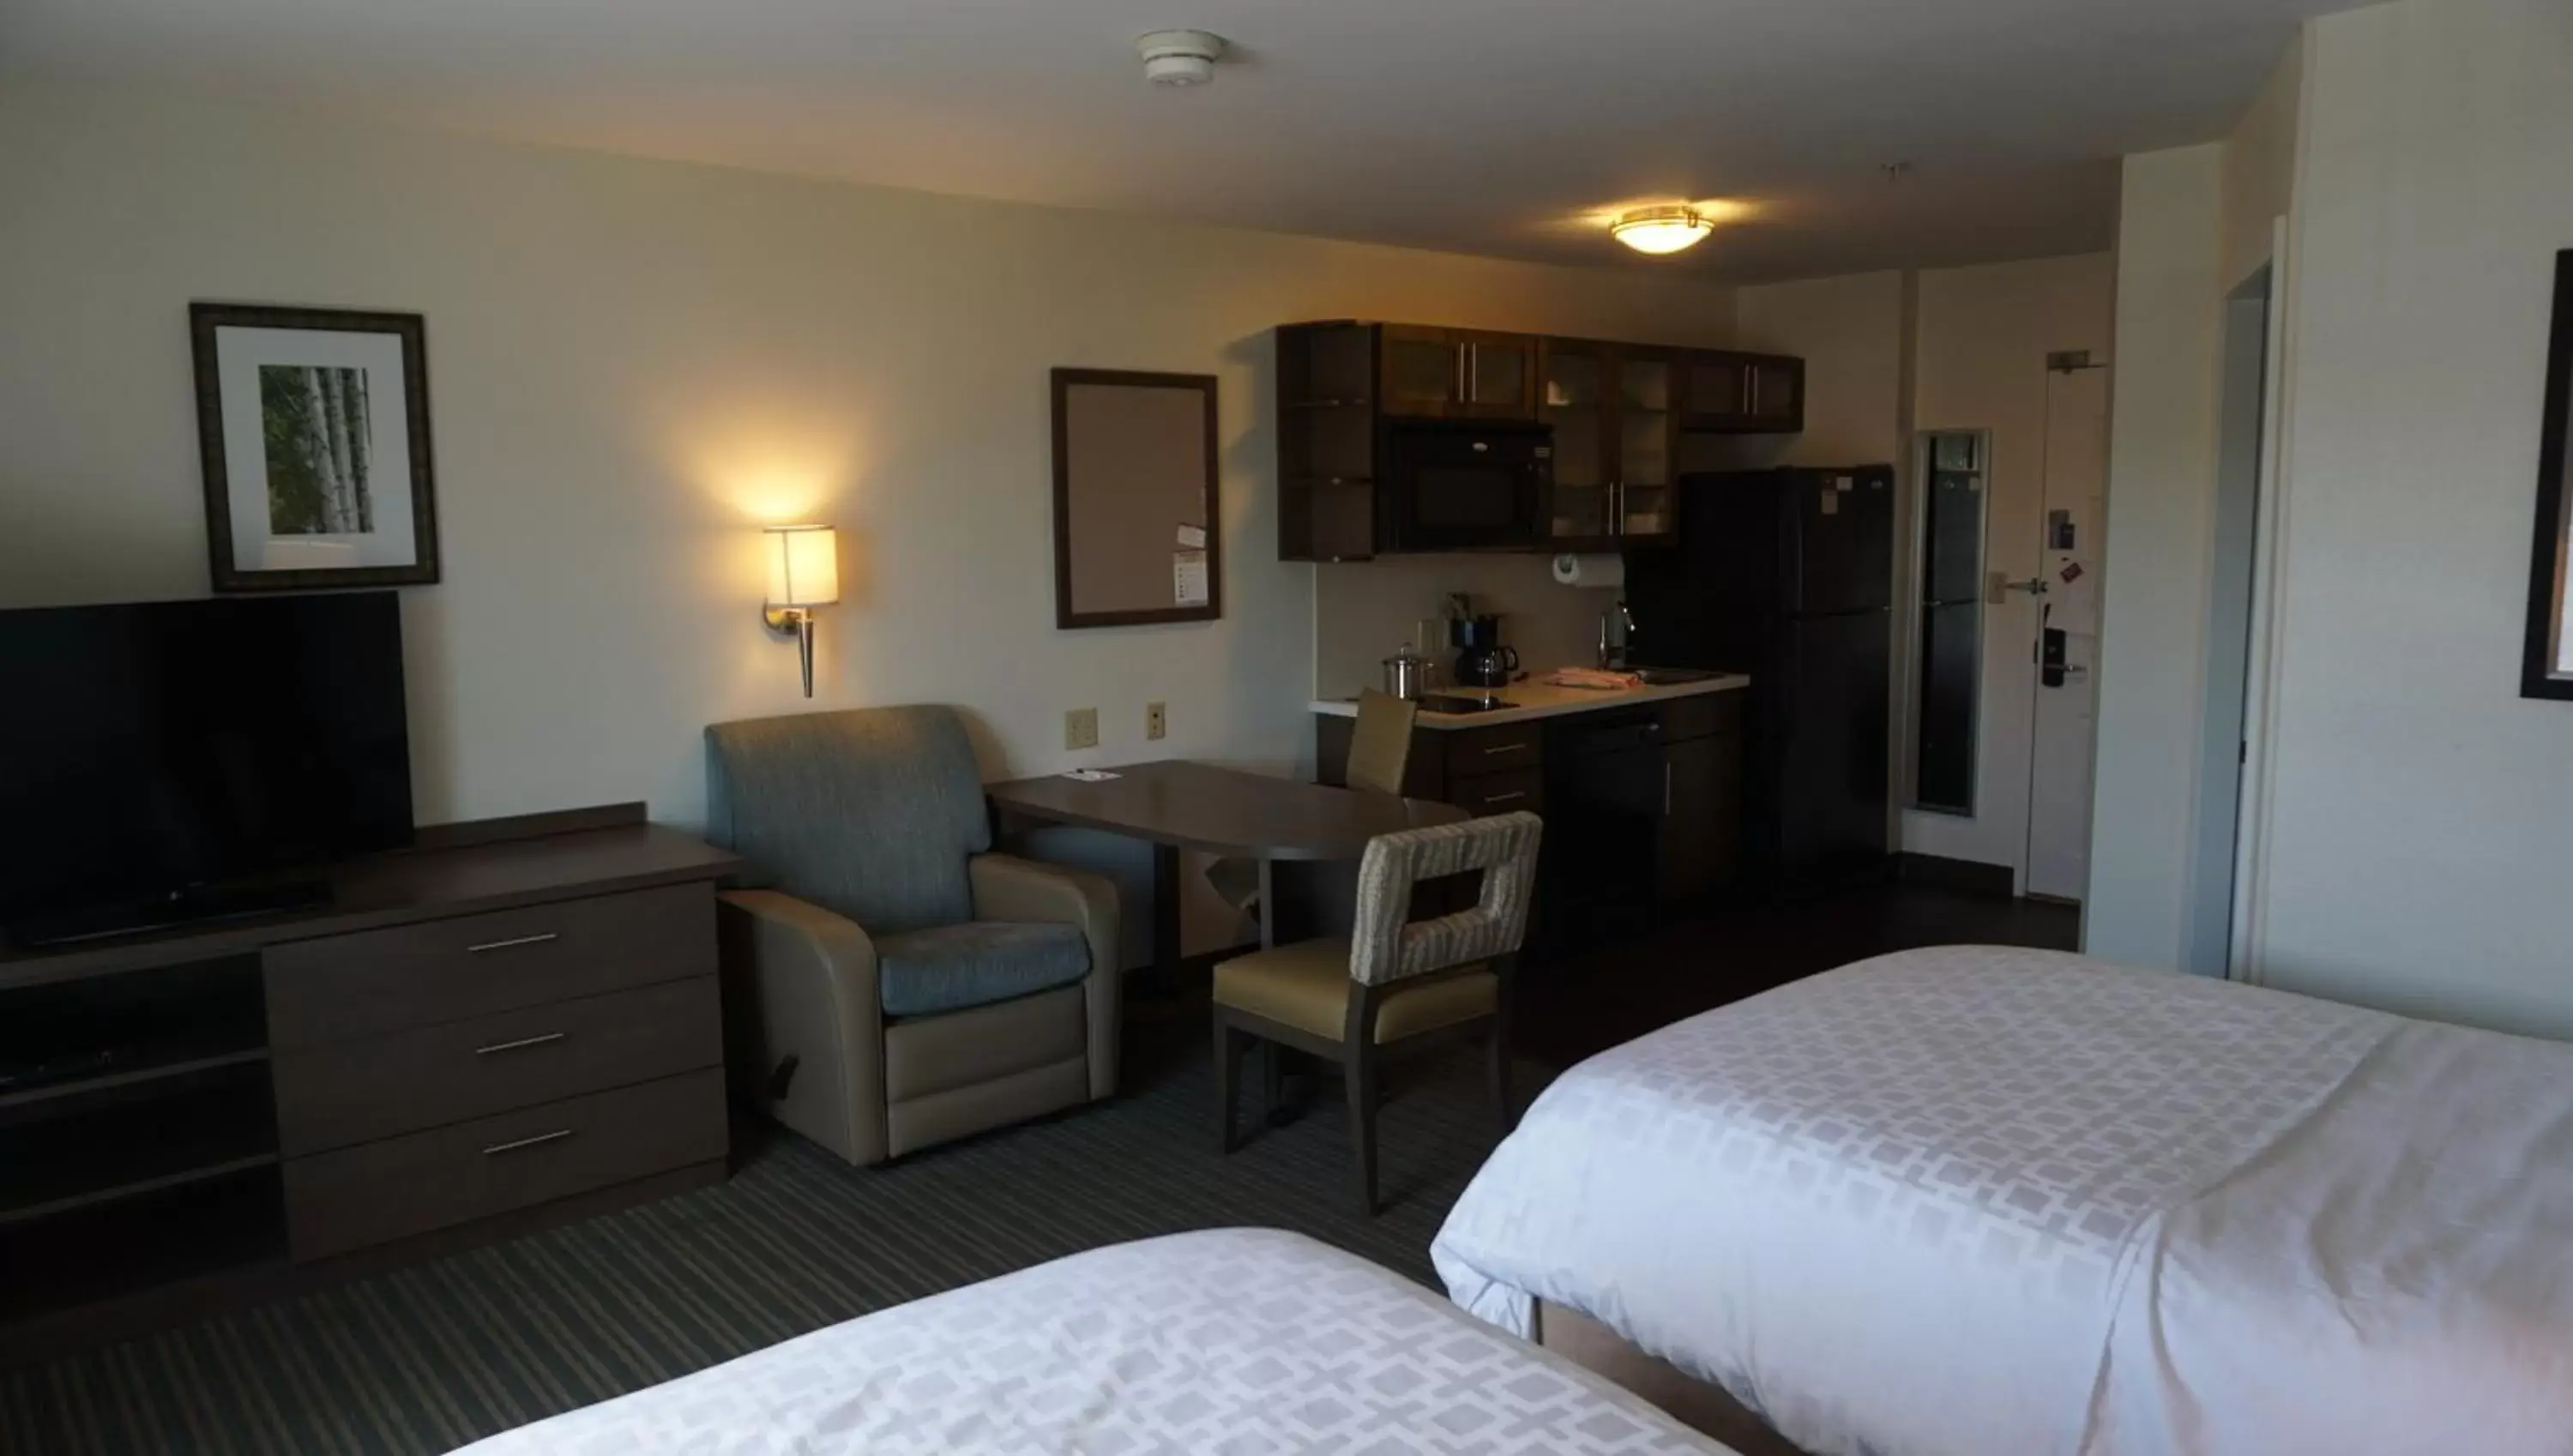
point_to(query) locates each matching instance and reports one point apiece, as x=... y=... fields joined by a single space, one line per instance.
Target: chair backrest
x=869 y=813
x=1383 y=948
x=1380 y=745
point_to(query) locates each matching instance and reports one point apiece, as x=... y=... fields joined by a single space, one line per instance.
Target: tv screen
x=151 y=750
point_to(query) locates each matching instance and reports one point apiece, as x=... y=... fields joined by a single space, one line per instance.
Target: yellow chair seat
x=1306 y=986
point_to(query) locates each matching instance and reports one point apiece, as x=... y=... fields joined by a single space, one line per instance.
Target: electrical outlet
x=1156 y=720
x=1081 y=728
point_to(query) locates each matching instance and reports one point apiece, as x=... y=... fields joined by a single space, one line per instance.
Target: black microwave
x=1464 y=486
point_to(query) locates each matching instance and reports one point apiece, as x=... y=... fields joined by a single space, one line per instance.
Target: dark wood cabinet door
x=1647 y=442
x=1700 y=830
x=1420 y=370
x=1576 y=388
x=1777 y=394
x=1497 y=374
x=1716 y=389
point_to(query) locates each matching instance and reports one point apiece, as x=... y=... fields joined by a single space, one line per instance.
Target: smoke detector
x=1179 y=57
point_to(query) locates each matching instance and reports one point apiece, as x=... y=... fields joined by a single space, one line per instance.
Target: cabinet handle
x=1666 y=789
x=521 y=1044
x=1512 y=796
x=1473 y=374
x=1751 y=391
x=1507 y=748
x=513 y=943
x=497 y=1149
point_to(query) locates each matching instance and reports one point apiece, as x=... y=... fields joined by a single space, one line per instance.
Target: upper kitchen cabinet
x=1614 y=409
x=1457 y=374
x=1743 y=393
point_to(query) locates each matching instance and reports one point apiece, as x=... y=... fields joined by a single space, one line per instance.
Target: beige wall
x=2259 y=170
x=2421 y=815
x=633 y=363
x=1365 y=611
x=1848 y=332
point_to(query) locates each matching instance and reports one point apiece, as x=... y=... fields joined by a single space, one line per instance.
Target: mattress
x=1220 y=1344
x=1979 y=1199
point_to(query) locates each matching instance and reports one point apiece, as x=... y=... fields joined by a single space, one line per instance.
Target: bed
x=1976 y=1200
x=1200 y=1345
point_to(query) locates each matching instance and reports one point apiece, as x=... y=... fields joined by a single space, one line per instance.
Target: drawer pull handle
x=1505 y=798
x=497 y=1149
x=1507 y=748
x=512 y=944
x=521 y=1044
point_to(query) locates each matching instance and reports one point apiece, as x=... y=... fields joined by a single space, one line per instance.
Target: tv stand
x=196 y=905
x=511 y=1024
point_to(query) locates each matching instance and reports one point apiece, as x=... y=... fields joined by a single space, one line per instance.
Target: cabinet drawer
x=1473 y=752
x=1506 y=792
x=380 y=1191
x=1700 y=716
x=345 y=986
x=376 y=1086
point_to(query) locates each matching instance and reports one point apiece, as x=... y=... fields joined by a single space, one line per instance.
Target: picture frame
x=2546 y=665
x=1138 y=519
x=313 y=441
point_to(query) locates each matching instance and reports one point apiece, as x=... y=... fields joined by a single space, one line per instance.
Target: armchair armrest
x=1009 y=888
x=810 y=975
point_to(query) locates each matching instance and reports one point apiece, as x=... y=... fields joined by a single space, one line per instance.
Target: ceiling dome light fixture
x=1179 y=57
x=1662 y=229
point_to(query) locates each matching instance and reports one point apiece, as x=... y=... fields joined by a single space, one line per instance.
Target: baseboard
x=1969 y=877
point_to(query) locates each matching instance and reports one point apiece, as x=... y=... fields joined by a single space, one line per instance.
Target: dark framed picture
x=313 y=427
x=1138 y=525
x=2546 y=669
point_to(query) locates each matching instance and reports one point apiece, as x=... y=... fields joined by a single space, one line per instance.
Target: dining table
x=1178 y=804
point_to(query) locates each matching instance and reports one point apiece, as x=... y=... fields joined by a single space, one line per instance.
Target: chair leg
x=1229 y=1043
x=1360 y=1076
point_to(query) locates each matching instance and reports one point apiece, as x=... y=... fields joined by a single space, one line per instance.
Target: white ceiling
x=1481 y=126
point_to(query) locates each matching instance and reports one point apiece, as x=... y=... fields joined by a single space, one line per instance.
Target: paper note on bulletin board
x=1188 y=578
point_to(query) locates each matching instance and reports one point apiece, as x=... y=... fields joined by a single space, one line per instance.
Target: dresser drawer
x=1473 y=752
x=380 y=1191
x=1506 y=792
x=376 y=1086
x=343 y=987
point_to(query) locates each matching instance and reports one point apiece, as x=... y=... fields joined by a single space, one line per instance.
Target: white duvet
x=1235 y=1342
x=1983 y=1201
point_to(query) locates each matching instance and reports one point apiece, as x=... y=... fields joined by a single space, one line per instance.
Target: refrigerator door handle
x=1666 y=788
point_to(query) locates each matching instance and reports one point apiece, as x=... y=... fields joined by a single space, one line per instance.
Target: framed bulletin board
x=1137 y=533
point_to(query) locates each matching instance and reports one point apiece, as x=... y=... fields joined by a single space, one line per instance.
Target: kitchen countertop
x=1537 y=699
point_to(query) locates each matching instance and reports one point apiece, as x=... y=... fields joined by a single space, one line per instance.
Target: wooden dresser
x=515 y=1023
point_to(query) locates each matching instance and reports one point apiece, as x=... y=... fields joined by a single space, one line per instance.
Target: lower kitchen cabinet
x=1642 y=804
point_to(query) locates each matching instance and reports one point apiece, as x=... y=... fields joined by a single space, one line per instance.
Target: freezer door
x=1842 y=552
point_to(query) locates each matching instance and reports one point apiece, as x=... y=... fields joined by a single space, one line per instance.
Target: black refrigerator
x=1788 y=576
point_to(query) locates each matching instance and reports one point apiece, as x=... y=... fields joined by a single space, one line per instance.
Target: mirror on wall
x=2547 y=665
x=1137 y=533
x=1947 y=685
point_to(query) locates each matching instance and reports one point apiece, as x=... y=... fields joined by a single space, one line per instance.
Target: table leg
x=1166 y=919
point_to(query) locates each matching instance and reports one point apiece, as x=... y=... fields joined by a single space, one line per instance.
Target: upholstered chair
x=1393 y=984
x=890 y=983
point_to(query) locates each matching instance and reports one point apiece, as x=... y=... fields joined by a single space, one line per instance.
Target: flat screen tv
x=170 y=761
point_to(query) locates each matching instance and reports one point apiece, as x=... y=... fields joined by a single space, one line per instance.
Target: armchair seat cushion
x=978 y=962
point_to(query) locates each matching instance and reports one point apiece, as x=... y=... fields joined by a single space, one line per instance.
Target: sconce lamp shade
x=803 y=566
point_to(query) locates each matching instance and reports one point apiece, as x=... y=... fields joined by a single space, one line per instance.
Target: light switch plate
x=1156 y=720
x=1081 y=728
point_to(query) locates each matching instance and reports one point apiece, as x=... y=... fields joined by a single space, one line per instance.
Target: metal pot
x=1407 y=674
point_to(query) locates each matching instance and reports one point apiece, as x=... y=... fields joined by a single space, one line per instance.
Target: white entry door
x=2067 y=645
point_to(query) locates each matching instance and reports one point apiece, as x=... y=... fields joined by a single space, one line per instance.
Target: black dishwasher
x=1608 y=790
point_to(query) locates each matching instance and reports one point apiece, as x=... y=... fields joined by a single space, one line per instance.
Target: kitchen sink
x=1674 y=676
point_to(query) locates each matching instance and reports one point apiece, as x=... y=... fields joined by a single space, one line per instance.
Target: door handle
x=1473 y=374
x=1512 y=797
x=1666 y=788
x=1998 y=586
x=513 y=943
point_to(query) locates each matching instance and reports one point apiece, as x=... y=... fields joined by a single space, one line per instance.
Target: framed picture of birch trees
x=312 y=424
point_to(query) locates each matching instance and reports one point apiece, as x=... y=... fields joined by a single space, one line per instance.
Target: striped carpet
x=424 y=1359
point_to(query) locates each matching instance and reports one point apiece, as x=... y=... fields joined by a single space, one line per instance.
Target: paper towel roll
x=1591 y=570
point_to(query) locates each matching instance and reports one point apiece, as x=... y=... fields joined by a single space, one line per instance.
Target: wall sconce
x=803 y=573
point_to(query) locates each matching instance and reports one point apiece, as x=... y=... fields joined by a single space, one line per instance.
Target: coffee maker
x=1481 y=660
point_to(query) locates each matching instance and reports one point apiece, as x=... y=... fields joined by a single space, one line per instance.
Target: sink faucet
x=1616 y=626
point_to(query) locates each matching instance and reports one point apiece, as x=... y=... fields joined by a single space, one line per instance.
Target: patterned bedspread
x=1224 y=1343
x=1977 y=1199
